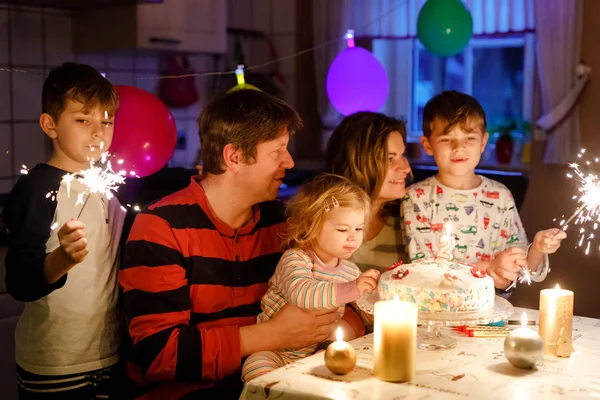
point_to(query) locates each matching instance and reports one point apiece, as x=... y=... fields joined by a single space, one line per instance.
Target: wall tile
x=4 y=96
x=30 y=145
x=6 y=155
x=26 y=29
x=58 y=39
x=3 y=36
x=27 y=95
x=97 y=61
x=120 y=62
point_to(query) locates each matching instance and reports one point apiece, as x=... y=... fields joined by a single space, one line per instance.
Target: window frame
x=525 y=40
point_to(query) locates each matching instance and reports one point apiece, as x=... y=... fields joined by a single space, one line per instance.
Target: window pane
x=498 y=83
x=434 y=75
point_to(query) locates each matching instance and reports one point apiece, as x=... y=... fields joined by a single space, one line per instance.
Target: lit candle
x=395 y=340
x=340 y=356
x=446 y=244
x=523 y=347
x=556 y=321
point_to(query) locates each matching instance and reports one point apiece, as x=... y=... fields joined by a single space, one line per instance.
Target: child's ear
x=484 y=141
x=426 y=146
x=232 y=157
x=48 y=125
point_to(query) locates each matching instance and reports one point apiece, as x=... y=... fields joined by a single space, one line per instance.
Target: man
x=197 y=262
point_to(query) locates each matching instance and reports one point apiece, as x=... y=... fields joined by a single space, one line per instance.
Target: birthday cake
x=438 y=285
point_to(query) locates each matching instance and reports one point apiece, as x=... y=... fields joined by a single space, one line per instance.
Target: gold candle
x=340 y=357
x=395 y=341
x=556 y=321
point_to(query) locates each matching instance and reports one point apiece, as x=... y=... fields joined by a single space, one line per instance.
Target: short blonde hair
x=307 y=210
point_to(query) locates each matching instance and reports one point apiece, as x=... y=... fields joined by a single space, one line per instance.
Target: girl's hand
x=367 y=281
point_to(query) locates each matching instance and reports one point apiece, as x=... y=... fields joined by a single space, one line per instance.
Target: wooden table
x=475 y=369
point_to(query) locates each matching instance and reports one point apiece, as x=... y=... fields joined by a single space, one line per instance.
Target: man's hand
x=297 y=328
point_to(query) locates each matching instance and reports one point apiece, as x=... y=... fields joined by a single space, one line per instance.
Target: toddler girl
x=326 y=225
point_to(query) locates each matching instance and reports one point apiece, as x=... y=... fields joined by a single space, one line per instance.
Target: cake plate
x=434 y=338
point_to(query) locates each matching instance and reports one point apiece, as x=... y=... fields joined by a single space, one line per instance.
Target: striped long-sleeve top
x=189 y=282
x=301 y=279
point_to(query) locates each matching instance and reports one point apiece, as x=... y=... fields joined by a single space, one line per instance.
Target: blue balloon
x=357 y=81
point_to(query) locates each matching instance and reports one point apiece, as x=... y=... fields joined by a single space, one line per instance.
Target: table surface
x=475 y=368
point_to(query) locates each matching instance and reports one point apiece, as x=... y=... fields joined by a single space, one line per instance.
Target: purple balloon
x=357 y=81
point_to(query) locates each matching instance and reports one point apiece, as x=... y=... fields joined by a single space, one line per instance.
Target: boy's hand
x=505 y=266
x=73 y=242
x=548 y=241
x=367 y=281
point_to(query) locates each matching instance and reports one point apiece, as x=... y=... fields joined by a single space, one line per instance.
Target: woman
x=369 y=149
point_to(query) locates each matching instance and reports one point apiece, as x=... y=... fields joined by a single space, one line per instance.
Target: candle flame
x=448 y=228
x=339 y=334
x=557 y=287
x=524 y=320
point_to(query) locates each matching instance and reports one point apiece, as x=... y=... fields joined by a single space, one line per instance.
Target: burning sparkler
x=588 y=212
x=99 y=178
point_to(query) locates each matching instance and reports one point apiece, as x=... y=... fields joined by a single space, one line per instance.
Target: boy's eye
x=342 y=230
x=80 y=120
x=107 y=123
x=359 y=229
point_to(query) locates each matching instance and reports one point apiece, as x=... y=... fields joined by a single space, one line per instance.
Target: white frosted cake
x=438 y=285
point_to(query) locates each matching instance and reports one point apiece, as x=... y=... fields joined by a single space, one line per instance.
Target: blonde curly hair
x=307 y=210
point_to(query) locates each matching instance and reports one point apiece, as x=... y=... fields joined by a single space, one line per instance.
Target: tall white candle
x=556 y=321
x=395 y=341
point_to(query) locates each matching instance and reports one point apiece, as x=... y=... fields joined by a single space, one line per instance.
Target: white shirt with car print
x=484 y=221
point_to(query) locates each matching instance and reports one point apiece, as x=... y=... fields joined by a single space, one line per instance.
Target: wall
x=549 y=192
x=46 y=36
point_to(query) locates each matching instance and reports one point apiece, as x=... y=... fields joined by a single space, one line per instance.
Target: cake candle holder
x=556 y=321
x=523 y=347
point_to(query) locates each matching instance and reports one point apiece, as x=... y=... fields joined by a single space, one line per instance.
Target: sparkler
x=99 y=178
x=588 y=212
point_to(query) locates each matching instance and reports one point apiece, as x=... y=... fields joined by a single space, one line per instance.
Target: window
x=498 y=72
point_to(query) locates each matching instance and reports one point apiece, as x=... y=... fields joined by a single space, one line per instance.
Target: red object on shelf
x=504 y=149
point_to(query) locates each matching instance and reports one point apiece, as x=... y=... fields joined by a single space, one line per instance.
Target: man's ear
x=232 y=157
x=48 y=125
x=426 y=146
x=484 y=140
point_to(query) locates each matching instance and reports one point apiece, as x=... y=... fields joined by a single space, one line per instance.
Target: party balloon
x=145 y=132
x=357 y=81
x=444 y=27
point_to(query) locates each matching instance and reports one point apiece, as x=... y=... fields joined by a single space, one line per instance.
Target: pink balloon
x=145 y=132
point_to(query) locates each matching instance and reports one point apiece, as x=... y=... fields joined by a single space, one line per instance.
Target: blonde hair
x=307 y=210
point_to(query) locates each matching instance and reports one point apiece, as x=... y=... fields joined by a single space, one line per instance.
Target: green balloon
x=444 y=27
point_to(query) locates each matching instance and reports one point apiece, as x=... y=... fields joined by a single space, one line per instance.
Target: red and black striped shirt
x=189 y=282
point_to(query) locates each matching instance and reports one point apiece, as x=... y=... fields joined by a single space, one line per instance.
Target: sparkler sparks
x=587 y=213
x=99 y=178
